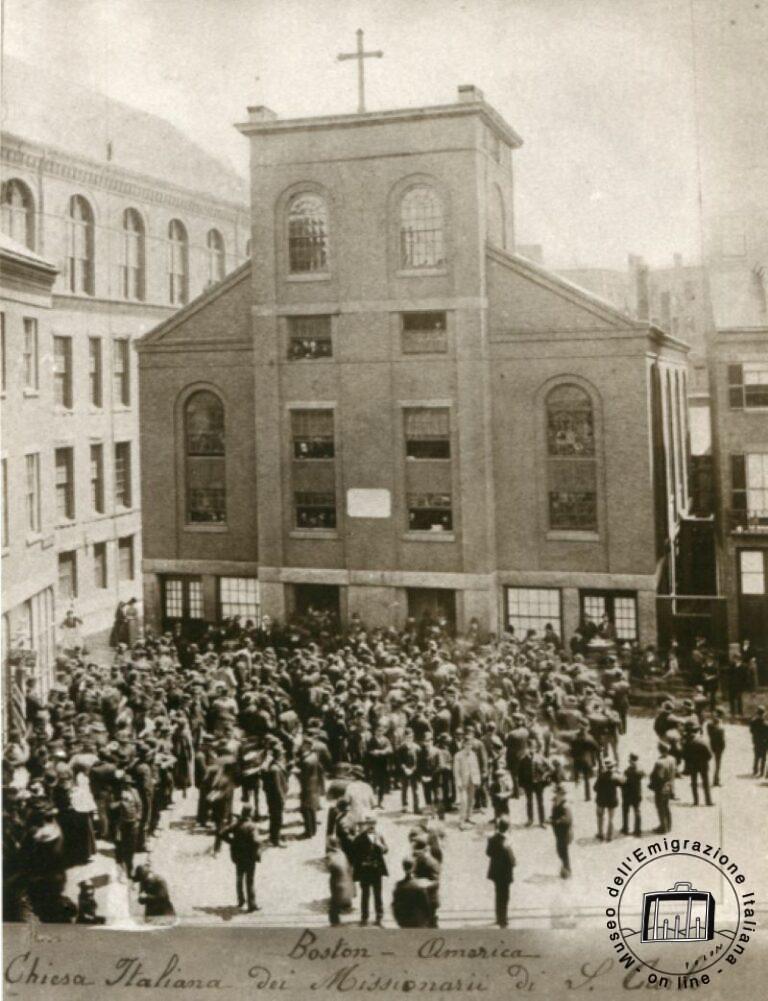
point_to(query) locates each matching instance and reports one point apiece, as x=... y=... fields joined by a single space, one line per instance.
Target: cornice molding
x=18 y=152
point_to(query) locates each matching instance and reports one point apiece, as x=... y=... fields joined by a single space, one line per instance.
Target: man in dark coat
x=501 y=868
x=275 y=789
x=584 y=751
x=340 y=878
x=716 y=737
x=758 y=728
x=310 y=786
x=378 y=756
x=562 y=825
x=245 y=851
x=662 y=782
x=369 y=868
x=411 y=904
x=696 y=756
x=533 y=775
x=631 y=795
x=406 y=758
x=606 y=799
x=428 y=765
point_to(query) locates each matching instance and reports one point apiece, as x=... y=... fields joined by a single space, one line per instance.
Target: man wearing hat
x=242 y=836
x=716 y=738
x=662 y=782
x=369 y=868
x=696 y=756
x=275 y=778
x=129 y=811
x=631 y=795
x=360 y=796
x=411 y=902
x=606 y=799
x=501 y=868
x=758 y=728
x=562 y=826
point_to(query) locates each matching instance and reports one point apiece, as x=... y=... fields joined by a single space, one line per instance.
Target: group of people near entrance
x=453 y=731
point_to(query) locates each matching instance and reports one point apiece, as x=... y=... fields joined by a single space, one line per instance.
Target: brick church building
x=387 y=412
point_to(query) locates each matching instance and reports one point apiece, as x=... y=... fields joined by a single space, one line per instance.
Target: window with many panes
x=123 y=486
x=749 y=491
x=67 y=579
x=133 y=255
x=748 y=385
x=205 y=447
x=214 y=242
x=18 y=212
x=125 y=565
x=178 y=263
x=315 y=509
x=32 y=492
x=571 y=461
x=429 y=512
x=752 y=571
x=183 y=598
x=620 y=609
x=424 y=333
x=534 y=608
x=309 y=337
x=95 y=384
x=121 y=372
x=97 y=478
x=239 y=596
x=62 y=372
x=312 y=434
x=421 y=228
x=100 y=578
x=80 y=244
x=65 y=484
x=30 y=359
x=427 y=432
x=307 y=234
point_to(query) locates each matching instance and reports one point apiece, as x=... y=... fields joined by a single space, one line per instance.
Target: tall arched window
x=571 y=459
x=18 y=210
x=421 y=228
x=205 y=447
x=80 y=236
x=132 y=264
x=307 y=234
x=215 y=244
x=178 y=263
x=497 y=218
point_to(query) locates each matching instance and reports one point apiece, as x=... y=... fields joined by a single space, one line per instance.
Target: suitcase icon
x=681 y=914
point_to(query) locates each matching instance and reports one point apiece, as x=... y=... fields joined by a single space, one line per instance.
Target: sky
x=603 y=92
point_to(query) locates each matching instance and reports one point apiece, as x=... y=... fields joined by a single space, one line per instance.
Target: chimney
x=260 y=113
x=469 y=93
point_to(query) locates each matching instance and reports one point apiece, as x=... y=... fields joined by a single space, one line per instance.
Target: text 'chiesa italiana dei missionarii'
x=388 y=411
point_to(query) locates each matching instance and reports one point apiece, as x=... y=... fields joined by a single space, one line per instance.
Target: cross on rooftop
x=360 y=55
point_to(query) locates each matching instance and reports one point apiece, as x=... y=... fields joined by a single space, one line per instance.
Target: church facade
x=389 y=413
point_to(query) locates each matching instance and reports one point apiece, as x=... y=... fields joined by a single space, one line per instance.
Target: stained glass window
x=571 y=465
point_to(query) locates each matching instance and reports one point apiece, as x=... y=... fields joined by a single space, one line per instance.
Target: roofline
x=30 y=260
x=492 y=117
x=115 y=170
x=146 y=341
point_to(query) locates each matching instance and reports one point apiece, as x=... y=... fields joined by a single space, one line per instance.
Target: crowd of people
x=444 y=727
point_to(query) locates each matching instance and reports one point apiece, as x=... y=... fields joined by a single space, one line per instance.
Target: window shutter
x=736 y=387
x=738 y=483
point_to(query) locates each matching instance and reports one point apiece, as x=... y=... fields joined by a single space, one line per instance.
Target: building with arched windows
x=134 y=220
x=390 y=413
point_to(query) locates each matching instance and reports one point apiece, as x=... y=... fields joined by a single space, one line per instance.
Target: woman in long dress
x=81 y=839
x=118 y=626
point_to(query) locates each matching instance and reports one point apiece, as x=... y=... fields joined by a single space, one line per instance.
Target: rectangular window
x=755 y=384
x=749 y=492
x=309 y=337
x=239 y=596
x=97 y=478
x=95 y=376
x=315 y=510
x=125 y=567
x=534 y=608
x=573 y=504
x=32 y=492
x=618 y=608
x=429 y=513
x=5 y=503
x=123 y=474
x=65 y=484
x=183 y=598
x=121 y=373
x=427 y=432
x=752 y=571
x=100 y=579
x=62 y=372
x=67 y=576
x=424 y=333
x=312 y=433
x=31 y=354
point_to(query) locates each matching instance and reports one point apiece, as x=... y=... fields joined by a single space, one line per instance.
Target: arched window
x=497 y=218
x=132 y=264
x=421 y=228
x=204 y=446
x=18 y=220
x=307 y=234
x=215 y=244
x=571 y=459
x=178 y=263
x=80 y=246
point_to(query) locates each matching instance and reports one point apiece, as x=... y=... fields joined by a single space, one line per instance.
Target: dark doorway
x=183 y=605
x=316 y=597
x=428 y=605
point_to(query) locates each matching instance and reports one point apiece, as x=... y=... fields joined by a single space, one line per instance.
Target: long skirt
x=80 y=840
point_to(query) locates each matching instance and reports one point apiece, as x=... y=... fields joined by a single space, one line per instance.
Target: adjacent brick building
x=390 y=412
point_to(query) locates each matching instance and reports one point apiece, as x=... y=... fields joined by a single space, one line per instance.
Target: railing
x=748 y=521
